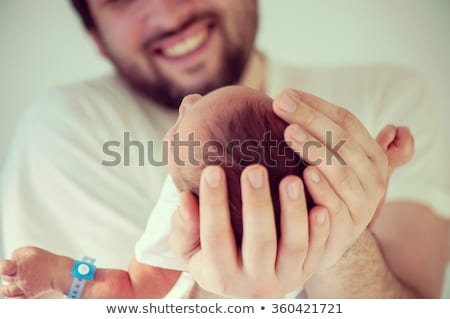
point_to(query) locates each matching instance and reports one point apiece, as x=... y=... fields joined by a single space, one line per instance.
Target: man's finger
x=185 y=228
x=349 y=180
x=288 y=105
x=319 y=224
x=293 y=243
x=216 y=233
x=259 y=243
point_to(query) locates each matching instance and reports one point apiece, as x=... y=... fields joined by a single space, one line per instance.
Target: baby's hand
x=29 y=274
x=398 y=144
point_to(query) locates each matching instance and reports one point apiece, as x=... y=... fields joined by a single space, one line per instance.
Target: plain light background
x=44 y=46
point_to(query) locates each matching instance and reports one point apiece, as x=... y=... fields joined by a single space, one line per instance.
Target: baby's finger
x=386 y=136
x=8 y=268
x=11 y=291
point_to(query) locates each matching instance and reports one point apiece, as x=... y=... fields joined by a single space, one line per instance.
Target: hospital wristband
x=82 y=271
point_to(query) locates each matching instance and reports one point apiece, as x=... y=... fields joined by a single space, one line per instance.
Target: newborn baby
x=232 y=127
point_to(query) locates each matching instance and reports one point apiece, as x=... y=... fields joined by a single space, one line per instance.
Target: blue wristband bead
x=82 y=271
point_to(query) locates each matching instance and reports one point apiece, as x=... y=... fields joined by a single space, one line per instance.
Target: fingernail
x=299 y=134
x=320 y=217
x=315 y=177
x=288 y=103
x=255 y=177
x=293 y=190
x=212 y=176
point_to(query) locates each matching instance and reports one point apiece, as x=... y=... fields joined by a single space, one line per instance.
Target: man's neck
x=255 y=72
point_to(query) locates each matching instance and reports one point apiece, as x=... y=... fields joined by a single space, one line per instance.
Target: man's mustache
x=185 y=24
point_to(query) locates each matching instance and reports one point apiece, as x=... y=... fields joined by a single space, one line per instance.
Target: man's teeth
x=186 y=46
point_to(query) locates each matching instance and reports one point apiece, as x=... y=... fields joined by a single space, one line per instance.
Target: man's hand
x=264 y=267
x=29 y=274
x=348 y=172
x=347 y=183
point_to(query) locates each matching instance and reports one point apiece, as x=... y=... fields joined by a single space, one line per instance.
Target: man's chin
x=170 y=90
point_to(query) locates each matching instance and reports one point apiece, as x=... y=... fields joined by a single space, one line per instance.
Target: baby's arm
x=33 y=272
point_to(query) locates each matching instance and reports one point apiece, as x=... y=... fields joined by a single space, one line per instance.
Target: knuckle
x=308 y=116
x=344 y=117
x=295 y=248
x=212 y=242
x=338 y=208
x=219 y=285
x=379 y=186
x=265 y=246
x=347 y=180
x=255 y=205
x=225 y=288
x=380 y=159
x=25 y=251
x=331 y=202
x=26 y=287
x=383 y=161
x=13 y=290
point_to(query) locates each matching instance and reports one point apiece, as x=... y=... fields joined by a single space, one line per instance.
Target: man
x=57 y=195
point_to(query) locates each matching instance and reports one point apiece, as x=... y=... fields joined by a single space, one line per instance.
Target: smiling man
x=56 y=194
x=170 y=49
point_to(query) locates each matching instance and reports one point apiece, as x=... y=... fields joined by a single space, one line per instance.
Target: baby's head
x=233 y=127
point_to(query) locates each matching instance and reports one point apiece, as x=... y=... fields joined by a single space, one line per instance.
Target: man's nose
x=166 y=15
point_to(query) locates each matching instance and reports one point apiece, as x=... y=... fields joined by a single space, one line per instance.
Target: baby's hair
x=252 y=134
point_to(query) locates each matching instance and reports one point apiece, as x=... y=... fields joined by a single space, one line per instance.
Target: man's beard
x=170 y=95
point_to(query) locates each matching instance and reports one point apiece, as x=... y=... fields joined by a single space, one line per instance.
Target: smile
x=186 y=42
x=187 y=46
